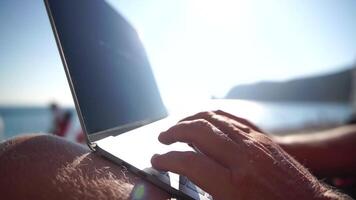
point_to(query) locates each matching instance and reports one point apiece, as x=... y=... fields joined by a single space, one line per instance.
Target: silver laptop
x=114 y=90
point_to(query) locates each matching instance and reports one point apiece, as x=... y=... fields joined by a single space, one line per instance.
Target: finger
x=209 y=115
x=223 y=124
x=239 y=119
x=204 y=172
x=234 y=133
x=204 y=136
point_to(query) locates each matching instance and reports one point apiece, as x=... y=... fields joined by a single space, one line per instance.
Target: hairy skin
x=46 y=167
x=314 y=151
x=235 y=161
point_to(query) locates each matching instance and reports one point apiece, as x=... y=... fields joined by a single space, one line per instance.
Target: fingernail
x=161 y=133
x=155 y=156
x=154 y=159
x=161 y=136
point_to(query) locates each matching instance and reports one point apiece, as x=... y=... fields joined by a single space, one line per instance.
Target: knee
x=30 y=164
x=47 y=167
x=38 y=148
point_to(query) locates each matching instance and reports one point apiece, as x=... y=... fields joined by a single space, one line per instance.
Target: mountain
x=334 y=87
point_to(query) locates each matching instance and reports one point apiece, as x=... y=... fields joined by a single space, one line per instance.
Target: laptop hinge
x=92 y=146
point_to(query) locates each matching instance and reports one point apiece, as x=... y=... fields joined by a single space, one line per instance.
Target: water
x=273 y=116
x=20 y=120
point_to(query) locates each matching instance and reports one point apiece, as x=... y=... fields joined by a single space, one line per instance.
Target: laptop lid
x=111 y=80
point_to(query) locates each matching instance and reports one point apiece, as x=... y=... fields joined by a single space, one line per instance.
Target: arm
x=327 y=153
x=235 y=161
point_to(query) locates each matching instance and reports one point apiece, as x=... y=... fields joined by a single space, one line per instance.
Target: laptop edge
x=110 y=132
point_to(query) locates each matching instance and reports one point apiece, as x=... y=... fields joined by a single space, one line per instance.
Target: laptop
x=114 y=90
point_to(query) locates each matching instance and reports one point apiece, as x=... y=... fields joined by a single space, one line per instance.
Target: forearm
x=327 y=153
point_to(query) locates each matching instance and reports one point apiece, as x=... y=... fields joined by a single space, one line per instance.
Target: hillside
x=334 y=87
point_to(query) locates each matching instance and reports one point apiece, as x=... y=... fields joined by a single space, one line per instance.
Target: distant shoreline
x=336 y=87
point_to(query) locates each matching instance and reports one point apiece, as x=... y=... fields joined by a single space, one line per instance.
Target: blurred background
x=286 y=65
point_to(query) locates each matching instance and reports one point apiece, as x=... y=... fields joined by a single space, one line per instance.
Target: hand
x=233 y=160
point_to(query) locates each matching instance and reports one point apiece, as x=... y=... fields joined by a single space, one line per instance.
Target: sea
x=269 y=116
x=18 y=120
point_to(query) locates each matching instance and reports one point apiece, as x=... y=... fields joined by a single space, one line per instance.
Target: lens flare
x=139 y=192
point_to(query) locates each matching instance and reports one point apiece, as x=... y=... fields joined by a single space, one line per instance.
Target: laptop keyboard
x=184 y=183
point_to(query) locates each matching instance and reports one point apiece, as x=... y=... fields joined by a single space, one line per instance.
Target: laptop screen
x=107 y=64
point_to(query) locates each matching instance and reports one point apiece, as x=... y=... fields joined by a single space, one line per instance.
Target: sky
x=197 y=48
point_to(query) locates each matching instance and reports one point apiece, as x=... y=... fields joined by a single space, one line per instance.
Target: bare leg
x=46 y=167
